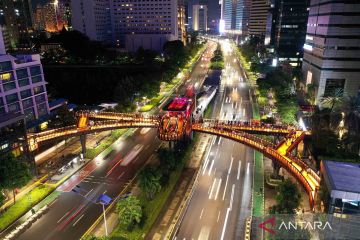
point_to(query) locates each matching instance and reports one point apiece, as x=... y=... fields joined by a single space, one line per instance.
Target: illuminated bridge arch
x=242 y=132
x=303 y=173
x=72 y=131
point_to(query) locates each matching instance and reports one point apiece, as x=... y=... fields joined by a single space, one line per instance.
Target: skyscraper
x=39 y=18
x=235 y=15
x=16 y=16
x=125 y=24
x=92 y=17
x=331 y=51
x=258 y=17
x=200 y=18
x=142 y=23
x=287 y=29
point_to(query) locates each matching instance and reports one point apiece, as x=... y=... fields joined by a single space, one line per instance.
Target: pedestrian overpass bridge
x=175 y=130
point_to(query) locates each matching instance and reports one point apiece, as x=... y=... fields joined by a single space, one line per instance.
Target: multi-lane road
x=71 y=214
x=221 y=200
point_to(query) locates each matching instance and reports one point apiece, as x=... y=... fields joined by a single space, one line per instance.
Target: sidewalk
x=270 y=193
x=48 y=171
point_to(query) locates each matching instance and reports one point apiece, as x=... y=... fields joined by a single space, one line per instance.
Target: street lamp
x=104 y=200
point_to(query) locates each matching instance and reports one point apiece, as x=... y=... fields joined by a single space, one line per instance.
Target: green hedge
x=23 y=205
x=93 y=152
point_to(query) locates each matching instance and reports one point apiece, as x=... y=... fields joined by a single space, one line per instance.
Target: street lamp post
x=106 y=230
x=104 y=200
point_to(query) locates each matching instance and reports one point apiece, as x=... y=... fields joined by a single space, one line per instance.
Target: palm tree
x=334 y=100
x=149 y=181
x=351 y=110
x=129 y=211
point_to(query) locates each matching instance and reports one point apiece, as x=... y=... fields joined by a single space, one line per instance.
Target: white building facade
x=127 y=24
x=92 y=17
x=332 y=48
x=22 y=86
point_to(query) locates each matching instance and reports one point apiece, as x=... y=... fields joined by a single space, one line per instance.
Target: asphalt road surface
x=222 y=197
x=73 y=213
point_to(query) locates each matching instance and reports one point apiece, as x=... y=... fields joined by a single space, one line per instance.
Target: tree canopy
x=149 y=181
x=13 y=173
x=288 y=198
x=129 y=211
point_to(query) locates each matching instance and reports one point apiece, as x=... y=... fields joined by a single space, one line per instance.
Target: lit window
x=5 y=76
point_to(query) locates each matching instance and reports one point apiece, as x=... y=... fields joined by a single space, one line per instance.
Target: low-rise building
x=342 y=182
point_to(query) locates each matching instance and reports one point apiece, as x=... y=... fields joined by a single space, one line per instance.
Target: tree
x=288 y=198
x=13 y=173
x=175 y=52
x=129 y=211
x=333 y=100
x=149 y=181
x=167 y=157
x=2 y=197
x=287 y=108
x=64 y=117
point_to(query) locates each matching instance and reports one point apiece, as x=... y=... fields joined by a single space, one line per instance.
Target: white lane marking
x=226 y=183
x=63 y=217
x=207 y=156
x=212 y=188
x=205 y=165
x=209 y=189
x=238 y=173
x=202 y=211
x=212 y=164
x=120 y=175
x=78 y=220
x=232 y=159
x=88 y=193
x=248 y=168
x=104 y=191
x=232 y=196
x=218 y=217
x=225 y=223
x=219 y=141
x=218 y=188
x=204 y=233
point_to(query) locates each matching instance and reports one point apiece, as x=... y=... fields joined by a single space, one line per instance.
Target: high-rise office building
x=16 y=17
x=51 y=17
x=182 y=22
x=92 y=17
x=332 y=48
x=234 y=14
x=142 y=23
x=286 y=29
x=127 y=24
x=258 y=17
x=199 y=18
x=39 y=18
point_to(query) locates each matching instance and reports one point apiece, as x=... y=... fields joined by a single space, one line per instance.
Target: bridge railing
x=246 y=125
x=231 y=132
x=297 y=168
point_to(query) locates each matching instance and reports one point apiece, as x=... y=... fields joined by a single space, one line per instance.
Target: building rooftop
x=343 y=176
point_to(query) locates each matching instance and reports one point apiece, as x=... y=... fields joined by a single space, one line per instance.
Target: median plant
x=149 y=181
x=129 y=211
